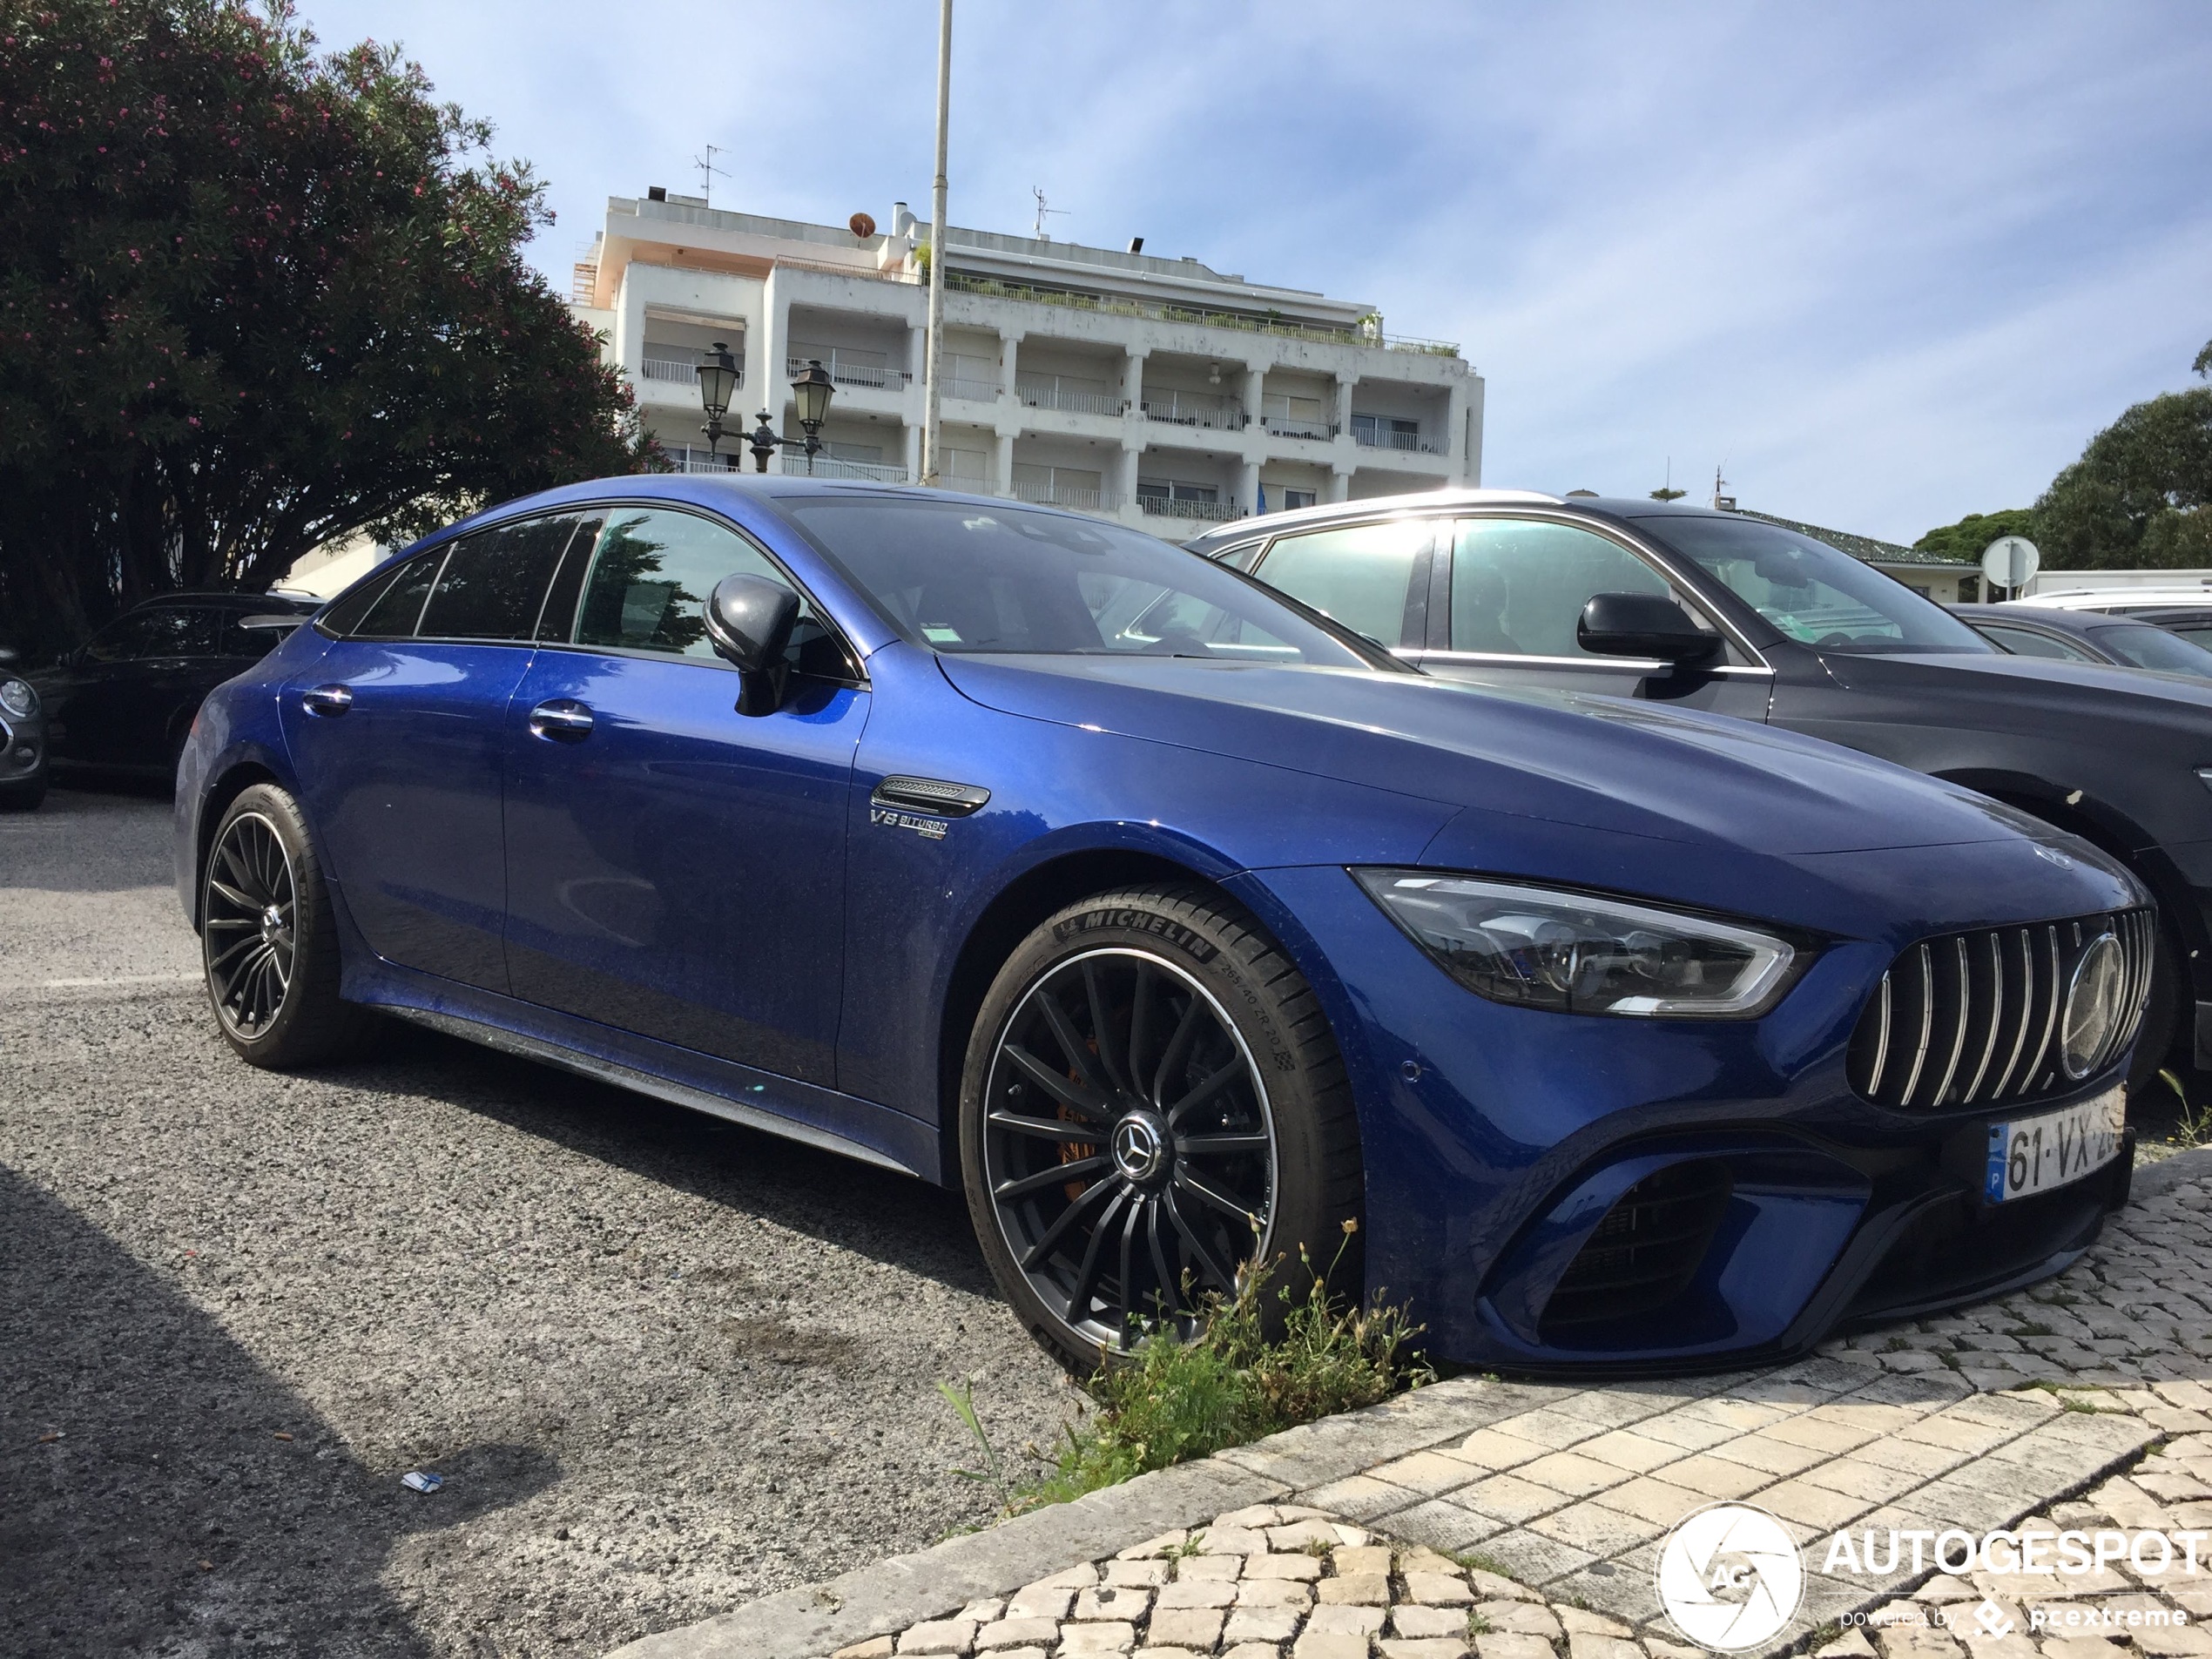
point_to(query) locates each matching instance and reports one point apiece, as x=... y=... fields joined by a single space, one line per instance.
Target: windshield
x=961 y=576
x=2140 y=646
x=1811 y=591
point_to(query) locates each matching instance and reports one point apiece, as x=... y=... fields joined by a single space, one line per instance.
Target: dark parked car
x=1026 y=853
x=2086 y=637
x=2191 y=623
x=23 y=740
x=1705 y=610
x=124 y=700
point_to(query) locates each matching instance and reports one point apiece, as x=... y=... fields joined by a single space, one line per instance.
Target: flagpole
x=930 y=428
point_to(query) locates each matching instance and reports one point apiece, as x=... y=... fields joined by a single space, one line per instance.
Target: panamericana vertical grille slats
x=1972 y=1019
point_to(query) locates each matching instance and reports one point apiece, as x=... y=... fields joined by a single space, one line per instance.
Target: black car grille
x=1646 y=1250
x=1970 y=1018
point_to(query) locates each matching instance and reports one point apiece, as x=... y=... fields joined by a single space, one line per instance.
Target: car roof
x=1367 y=506
x=2109 y=598
x=2065 y=622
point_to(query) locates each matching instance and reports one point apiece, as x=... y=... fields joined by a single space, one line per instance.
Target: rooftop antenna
x=707 y=170
x=1044 y=235
x=1723 y=502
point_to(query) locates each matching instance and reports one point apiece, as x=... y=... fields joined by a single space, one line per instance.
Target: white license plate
x=2031 y=1155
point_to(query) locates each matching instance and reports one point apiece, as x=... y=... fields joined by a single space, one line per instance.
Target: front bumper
x=1497 y=1140
x=23 y=747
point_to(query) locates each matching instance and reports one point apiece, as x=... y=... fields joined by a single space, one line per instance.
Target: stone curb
x=2154 y=1180
x=890 y=1594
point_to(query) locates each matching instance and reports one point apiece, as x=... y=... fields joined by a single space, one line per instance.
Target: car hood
x=1598 y=763
x=2023 y=690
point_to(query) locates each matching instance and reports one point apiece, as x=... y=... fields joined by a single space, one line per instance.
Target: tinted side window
x=2022 y=642
x=649 y=580
x=394 y=612
x=160 y=630
x=342 y=616
x=494 y=582
x=1520 y=585
x=1361 y=575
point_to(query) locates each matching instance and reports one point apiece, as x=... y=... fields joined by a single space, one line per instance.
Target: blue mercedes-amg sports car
x=1175 y=922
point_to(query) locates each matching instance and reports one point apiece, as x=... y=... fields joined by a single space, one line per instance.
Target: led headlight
x=17 y=697
x=1579 y=953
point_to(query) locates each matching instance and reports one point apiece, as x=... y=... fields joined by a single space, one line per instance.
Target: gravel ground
x=666 y=1365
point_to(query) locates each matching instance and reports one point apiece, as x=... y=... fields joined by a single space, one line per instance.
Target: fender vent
x=1646 y=1250
x=930 y=795
x=1973 y=1018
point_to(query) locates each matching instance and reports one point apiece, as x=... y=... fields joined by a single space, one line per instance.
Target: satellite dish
x=2008 y=562
x=862 y=226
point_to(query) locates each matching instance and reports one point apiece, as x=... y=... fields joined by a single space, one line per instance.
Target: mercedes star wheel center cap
x=1140 y=1146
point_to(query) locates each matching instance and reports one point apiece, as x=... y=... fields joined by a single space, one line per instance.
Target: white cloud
x=1895 y=262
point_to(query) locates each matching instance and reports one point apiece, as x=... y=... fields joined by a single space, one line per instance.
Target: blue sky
x=1893 y=262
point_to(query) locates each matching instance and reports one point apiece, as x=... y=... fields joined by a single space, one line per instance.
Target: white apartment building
x=1153 y=391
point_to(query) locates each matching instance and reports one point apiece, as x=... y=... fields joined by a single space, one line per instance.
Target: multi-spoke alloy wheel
x=1129 y=1146
x=252 y=906
x=269 y=937
x=1127 y=1155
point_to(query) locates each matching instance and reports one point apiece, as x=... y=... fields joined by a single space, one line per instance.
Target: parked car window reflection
x=2140 y=646
x=394 y=612
x=651 y=579
x=1520 y=585
x=494 y=580
x=2022 y=641
x=956 y=577
x=161 y=630
x=1359 y=574
x=1812 y=592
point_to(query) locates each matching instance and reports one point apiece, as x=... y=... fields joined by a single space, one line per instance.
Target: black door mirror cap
x=1643 y=624
x=749 y=621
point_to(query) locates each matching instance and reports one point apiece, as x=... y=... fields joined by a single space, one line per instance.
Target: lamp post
x=812 y=392
x=717 y=379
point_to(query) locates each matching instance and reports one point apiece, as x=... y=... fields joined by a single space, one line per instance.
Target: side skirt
x=761 y=1100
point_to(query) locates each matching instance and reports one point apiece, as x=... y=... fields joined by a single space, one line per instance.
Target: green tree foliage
x=1971 y=536
x=254 y=297
x=2137 y=498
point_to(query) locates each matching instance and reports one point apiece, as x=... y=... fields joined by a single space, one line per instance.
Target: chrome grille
x=1968 y=1019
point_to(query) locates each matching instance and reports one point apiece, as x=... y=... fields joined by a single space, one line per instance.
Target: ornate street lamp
x=717 y=379
x=811 y=391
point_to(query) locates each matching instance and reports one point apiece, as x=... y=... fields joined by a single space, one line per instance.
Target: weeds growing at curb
x=2194 y=1128
x=1167 y=1400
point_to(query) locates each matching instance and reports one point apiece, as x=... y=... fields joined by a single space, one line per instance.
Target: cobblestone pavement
x=1532 y=1529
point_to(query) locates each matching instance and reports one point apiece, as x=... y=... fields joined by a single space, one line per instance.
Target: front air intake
x=1646 y=1250
x=1975 y=1018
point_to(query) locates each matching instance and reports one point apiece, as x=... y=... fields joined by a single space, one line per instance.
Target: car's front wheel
x=1153 y=1100
x=268 y=938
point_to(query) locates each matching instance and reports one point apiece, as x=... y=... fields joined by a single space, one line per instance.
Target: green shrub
x=1168 y=1400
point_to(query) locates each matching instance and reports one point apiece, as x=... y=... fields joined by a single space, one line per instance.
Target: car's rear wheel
x=1153 y=1100
x=268 y=939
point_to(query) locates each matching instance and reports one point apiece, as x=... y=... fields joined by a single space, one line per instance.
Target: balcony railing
x=1406 y=443
x=964 y=282
x=677 y=370
x=1059 y=494
x=847 y=371
x=1194 y=409
x=975 y=391
x=1052 y=392
x=1167 y=508
x=1283 y=426
x=826 y=466
x=685 y=459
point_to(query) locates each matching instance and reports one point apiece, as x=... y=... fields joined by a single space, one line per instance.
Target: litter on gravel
x=422 y=1480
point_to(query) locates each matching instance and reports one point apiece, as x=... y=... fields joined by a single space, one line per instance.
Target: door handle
x=329 y=701
x=563 y=719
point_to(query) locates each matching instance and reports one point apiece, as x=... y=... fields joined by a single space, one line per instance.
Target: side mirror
x=749 y=621
x=272 y=621
x=1643 y=624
